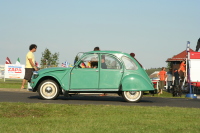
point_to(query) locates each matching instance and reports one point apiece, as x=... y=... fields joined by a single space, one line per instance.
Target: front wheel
x=132 y=96
x=48 y=89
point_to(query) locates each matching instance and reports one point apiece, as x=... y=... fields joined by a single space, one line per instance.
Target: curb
x=13 y=89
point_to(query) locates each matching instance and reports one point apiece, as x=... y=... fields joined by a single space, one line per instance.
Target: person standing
x=176 y=87
x=176 y=77
x=169 y=79
x=162 y=75
x=30 y=65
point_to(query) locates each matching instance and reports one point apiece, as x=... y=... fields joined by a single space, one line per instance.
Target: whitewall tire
x=132 y=96
x=48 y=89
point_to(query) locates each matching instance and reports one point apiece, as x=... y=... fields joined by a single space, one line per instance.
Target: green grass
x=51 y=118
x=58 y=118
x=11 y=83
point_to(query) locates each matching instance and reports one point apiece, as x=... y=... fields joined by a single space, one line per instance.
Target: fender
x=55 y=73
x=46 y=76
x=135 y=82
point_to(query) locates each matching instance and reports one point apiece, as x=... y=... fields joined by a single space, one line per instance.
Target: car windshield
x=78 y=56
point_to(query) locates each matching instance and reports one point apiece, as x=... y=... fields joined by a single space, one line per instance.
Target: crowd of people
x=174 y=78
x=171 y=78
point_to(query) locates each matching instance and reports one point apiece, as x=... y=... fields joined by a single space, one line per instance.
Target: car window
x=78 y=56
x=89 y=61
x=129 y=63
x=109 y=62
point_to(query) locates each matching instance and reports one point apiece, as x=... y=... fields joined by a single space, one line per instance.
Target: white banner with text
x=13 y=71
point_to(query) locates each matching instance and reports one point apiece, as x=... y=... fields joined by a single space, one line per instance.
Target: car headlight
x=35 y=74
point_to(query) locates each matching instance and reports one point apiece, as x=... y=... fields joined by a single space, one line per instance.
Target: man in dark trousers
x=176 y=88
x=198 y=45
x=176 y=77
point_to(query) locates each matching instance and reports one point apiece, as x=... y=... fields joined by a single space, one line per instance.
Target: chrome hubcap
x=132 y=92
x=48 y=89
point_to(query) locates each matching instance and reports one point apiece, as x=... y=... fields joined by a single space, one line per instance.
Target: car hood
x=53 y=69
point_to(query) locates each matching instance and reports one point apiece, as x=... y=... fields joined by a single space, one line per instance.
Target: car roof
x=107 y=51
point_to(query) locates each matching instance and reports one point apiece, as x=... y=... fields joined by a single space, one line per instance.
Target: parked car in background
x=155 y=80
x=95 y=72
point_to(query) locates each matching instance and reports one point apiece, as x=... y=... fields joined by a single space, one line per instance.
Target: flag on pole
x=18 y=61
x=8 y=61
x=67 y=64
x=63 y=65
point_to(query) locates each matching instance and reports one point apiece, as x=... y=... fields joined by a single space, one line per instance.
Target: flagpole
x=190 y=95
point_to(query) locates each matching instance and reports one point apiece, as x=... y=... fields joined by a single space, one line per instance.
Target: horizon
x=153 y=30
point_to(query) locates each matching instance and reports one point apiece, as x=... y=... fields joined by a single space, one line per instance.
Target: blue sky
x=153 y=29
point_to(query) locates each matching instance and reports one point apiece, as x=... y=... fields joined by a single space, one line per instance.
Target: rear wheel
x=48 y=89
x=132 y=96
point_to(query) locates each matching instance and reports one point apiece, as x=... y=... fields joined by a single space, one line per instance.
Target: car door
x=85 y=74
x=111 y=72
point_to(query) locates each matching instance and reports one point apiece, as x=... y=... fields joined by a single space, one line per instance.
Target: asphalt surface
x=12 y=95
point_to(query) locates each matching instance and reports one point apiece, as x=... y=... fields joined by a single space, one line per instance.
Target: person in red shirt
x=182 y=66
x=182 y=69
x=162 y=75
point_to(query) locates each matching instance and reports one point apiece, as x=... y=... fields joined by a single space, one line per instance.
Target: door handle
x=121 y=71
x=97 y=70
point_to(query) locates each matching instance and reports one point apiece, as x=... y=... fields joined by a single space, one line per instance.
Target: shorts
x=162 y=84
x=28 y=73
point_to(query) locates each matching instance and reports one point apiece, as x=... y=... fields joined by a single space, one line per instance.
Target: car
x=94 y=72
x=155 y=80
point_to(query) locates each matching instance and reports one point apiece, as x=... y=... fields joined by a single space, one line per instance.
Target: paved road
x=33 y=97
